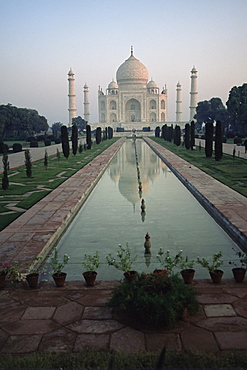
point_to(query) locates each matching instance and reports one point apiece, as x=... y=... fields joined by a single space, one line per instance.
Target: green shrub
x=156 y=299
x=17 y=147
x=57 y=141
x=47 y=142
x=237 y=140
x=34 y=144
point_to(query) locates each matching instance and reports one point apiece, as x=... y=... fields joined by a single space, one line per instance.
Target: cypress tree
x=5 y=179
x=187 y=136
x=218 y=141
x=98 y=135
x=177 y=135
x=192 y=135
x=157 y=131
x=209 y=132
x=65 y=141
x=88 y=137
x=74 y=138
x=46 y=160
x=28 y=163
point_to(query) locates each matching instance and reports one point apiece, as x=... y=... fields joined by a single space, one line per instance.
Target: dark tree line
x=20 y=122
x=233 y=116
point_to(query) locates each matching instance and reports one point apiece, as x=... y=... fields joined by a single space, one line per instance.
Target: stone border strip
x=36 y=231
x=226 y=206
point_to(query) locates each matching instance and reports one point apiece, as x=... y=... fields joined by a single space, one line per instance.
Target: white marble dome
x=132 y=71
x=152 y=84
x=113 y=85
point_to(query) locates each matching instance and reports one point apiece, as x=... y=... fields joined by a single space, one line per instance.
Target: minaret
x=179 y=103
x=71 y=95
x=193 y=93
x=86 y=103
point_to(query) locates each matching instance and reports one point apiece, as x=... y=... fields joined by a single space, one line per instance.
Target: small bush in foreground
x=158 y=300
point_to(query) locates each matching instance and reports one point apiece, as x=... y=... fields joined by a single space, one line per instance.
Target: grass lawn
x=229 y=171
x=89 y=359
x=24 y=192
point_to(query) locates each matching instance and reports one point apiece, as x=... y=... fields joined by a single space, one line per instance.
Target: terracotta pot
x=216 y=276
x=2 y=279
x=130 y=276
x=32 y=280
x=188 y=275
x=90 y=277
x=59 y=279
x=239 y=274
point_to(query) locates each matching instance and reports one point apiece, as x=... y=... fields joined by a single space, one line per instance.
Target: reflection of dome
x=132 y=71
x=113 y=85
x=152 y=85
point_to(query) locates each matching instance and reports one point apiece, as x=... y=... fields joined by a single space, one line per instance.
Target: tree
x=80 y=123
x=210 y=111
x=74 y=139
x=88 y=137
x=237 y=108
x=187 y=136
x=157 y=131
x=5 y=179
x=46 y=159
x=110 y=132
x=177 y=135
x=28 y=163
x=65 y=141
x=20 y=122
x=98 y=135
x=218 y=141
x=209 y=139
x=192 y=135
x=56 y=129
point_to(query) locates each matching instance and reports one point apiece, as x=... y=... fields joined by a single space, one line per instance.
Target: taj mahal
x=132 y=101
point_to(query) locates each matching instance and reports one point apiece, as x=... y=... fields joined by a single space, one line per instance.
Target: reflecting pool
x=112 y=215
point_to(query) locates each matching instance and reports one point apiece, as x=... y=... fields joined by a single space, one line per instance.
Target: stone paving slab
x=77 y=319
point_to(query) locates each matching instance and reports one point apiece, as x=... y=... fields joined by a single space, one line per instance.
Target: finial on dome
x=131 y=51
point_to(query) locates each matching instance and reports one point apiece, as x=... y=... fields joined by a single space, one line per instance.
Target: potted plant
x=123 y=262
x=91 y=264
x=58 y=276
x=4 y=271
x=212 y=267
x=187 y=270
x=32 y=275
x=167 y=261
x=239 y=272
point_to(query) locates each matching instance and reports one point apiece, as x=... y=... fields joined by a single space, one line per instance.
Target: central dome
x=132 y=71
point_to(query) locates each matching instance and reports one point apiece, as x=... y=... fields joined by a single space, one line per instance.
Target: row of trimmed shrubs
x=17 y=147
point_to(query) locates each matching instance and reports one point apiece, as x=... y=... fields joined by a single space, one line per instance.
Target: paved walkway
x=228 y=148
x=74 y=317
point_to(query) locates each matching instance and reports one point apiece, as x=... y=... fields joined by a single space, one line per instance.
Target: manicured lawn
x=146 y=360
x=229 y=171
x=24 y=192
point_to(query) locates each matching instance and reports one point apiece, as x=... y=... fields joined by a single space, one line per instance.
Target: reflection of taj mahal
x=132 y=98
x=125 y=175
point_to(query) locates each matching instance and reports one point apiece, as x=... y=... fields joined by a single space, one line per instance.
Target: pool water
x=112 y=215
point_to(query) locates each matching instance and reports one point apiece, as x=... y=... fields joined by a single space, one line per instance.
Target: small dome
x=152 y=85
x=113 y=85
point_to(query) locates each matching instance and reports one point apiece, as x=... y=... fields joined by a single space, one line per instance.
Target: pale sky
x=41 y=39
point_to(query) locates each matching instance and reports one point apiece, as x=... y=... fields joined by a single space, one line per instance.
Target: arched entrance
x=133 y=111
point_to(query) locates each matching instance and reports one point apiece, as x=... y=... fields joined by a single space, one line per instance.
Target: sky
x=40 y=40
